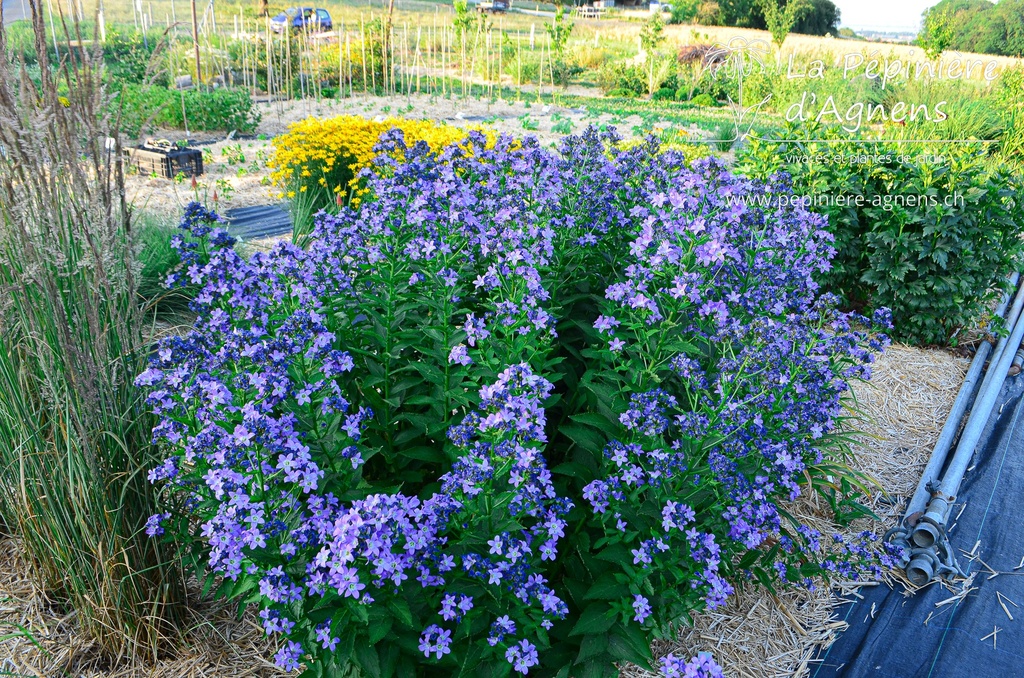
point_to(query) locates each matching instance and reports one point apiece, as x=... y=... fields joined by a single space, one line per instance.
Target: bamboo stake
x=487 y=62
x=270 y=64
x=519 y=59
x=287 y=39
x=373 y=65
x=417 y=64
x=540 y=73
x=362 y=45
x=195 y=40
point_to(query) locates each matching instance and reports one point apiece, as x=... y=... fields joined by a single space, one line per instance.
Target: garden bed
x=548 y=123
x=754 y=635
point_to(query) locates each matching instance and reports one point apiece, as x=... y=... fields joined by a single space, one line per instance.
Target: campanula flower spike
x=513 y=399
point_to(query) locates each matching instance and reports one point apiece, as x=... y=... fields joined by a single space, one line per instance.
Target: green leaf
x=379 y=630
x=607 y=588
x=367 y=659
x=585 y=437
x=401 y=610
x=596 y=618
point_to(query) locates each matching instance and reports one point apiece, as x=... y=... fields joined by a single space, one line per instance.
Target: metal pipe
x=931 y=527
x=1018 y=362
x=1002 y=345
x=919 y=500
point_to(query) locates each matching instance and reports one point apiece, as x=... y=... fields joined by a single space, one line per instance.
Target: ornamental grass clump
x=518 y=412
x=74 y=431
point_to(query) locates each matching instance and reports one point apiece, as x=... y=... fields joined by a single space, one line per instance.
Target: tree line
x=974 y=26
x=812 y=17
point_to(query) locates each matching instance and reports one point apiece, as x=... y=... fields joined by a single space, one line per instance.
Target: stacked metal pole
x=923 y=531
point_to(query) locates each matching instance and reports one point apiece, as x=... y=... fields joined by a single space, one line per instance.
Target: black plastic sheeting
x=262 y=221
x=892 y=635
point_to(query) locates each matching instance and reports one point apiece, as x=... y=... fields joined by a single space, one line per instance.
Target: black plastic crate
x=166 y=160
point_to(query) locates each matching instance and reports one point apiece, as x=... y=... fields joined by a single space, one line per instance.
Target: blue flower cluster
x=514 y=399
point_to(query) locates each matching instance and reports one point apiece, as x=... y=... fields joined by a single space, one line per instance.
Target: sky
x=882 y=15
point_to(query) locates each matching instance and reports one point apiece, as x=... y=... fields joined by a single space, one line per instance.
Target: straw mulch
x=756 y=635
x=39 y=639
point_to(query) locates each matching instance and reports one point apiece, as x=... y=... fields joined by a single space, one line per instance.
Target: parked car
x=302 y=18
x=493 y=6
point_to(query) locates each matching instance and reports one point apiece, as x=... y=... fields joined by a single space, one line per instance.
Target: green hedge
x=938 y=266
x=148 y=107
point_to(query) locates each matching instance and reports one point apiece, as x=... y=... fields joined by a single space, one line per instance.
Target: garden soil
x=756 y=635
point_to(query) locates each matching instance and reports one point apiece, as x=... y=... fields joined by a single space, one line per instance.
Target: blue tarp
x=894 y=635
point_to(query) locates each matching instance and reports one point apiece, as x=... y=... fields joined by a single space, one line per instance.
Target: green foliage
x=617 y=78
x=651 y=36
x=937 y=32
x=821 y=18
x=684 y=11
x=780 y=19
x=622 y=93
x=131 y=58
x=1010 y=94
x=464 y=21
x=974 y=26
x=156 y=259
x=147 y=107
x=703 y=99
x=653 y=33
x=21 y=42
x=929 y=230
x=817 y=17
x=559 y=30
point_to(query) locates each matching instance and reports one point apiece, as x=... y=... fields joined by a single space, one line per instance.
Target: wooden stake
x=195 y=41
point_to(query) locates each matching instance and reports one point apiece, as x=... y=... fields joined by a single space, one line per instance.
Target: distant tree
x=738 y=13
x=684 y=11
x=937 y=34
x=780 y=19
x=821 y=18
x=974 y=26
x=708 y=13
x=1009 y=24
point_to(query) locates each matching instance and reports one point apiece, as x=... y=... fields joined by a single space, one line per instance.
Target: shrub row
x=929 y=230
x=147 y=107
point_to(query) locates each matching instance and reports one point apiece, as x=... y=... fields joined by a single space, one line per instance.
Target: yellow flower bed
x=324 y=157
